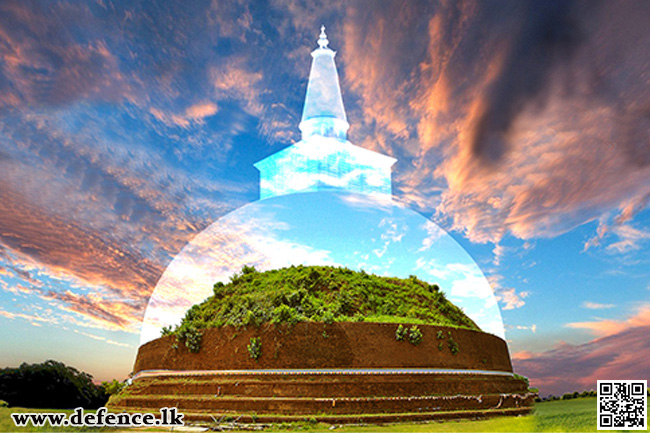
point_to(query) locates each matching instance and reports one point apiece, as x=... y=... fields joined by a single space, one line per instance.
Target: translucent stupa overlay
x=324 y=201
x=324 y=158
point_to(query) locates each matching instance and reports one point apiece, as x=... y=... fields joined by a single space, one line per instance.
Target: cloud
x=607 y=327
x=246 y=82
x=526 y=124
x=99 y=338
x=35 y=236
x=596 y=306
x=468 y=284
x=97 y=303
x=193 y=115
x=532 y=328
x=94 y=197
x=549 y=35
x=498 y=251
x=377 y=50
x=17 y=289
x=34 y=320
x=630 y=239
x=434 y=232
x=99 y=312
x=391 y=232
x=522 y=355
x=201 y=110
x=232 y=19
x=101 y=212
x=509 y=297
x=104 y=116
x=567 y=368
x=45 y=65
x=235 y=81
x=601 y=231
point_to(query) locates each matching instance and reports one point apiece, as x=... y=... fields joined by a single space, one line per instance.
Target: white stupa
x=324 y=159
x=324 y=201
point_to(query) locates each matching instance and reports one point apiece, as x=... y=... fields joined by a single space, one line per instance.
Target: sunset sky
x=521 y=128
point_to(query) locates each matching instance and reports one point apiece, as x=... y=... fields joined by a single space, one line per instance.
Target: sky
x=521 y=128
x=363 y=232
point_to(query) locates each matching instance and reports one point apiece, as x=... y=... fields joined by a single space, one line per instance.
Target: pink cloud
x=113 y=314
x=193 y=115
x=45 y=66
x=508 y=296
x=596 y=305
x=621 y=352
x=201 y=110
x=570 y=150
x=34 y=320
x=607 y=327
x=46 y=245
x=234 y=80
x=511 y=299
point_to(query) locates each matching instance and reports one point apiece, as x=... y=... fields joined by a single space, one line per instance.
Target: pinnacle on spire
x=324 y=113
x=322 y=40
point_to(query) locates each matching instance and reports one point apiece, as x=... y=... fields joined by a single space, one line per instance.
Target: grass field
x=577 y=415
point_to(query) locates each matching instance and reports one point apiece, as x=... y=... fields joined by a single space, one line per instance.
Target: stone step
x=349 y=405
x=328 y=386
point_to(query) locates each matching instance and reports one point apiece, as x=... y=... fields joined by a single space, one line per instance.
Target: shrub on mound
x=321 y=294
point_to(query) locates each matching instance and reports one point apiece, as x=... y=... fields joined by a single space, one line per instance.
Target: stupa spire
x=323 y=113
x=322 y=40
x=324 y=159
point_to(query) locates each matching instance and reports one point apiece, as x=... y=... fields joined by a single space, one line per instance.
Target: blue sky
x=520 y=128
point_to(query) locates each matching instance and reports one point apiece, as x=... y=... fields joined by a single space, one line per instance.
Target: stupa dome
x=321 y=228
x=324 y=201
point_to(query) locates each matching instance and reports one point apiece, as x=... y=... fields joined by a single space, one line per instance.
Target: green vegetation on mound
x=320 y=294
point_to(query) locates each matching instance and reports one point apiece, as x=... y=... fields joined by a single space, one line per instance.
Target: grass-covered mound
x=320 y=294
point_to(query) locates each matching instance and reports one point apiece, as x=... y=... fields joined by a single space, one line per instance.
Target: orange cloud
x=565 y=151
x=45 y=243
x=46 y=67
x=169 y=119
x=568 y=368
x=98 y=312
x=201 y=110
x=607 y=327
x=34 y=320
x=524 y=354
x=193 y=114
x=234 y=80
x=621 y=351
x=373 y=58
x=230 y=19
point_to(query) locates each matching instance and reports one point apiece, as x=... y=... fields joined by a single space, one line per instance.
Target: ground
x=577 y=415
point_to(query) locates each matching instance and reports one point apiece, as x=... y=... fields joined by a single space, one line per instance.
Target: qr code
x=622 y=404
